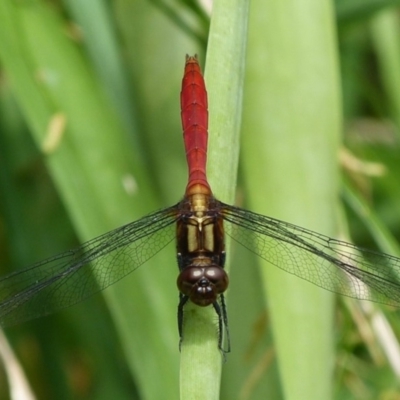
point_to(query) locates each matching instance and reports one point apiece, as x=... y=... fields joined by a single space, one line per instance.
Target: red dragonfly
x=198 y=223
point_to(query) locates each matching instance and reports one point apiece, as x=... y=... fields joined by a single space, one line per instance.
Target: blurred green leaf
x=290 y=138
x=112 y=73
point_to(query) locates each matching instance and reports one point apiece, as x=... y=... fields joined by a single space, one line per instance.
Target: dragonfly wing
x=329 y=263
x=70 y=277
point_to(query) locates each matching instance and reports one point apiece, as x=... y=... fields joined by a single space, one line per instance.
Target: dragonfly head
x=203 y=284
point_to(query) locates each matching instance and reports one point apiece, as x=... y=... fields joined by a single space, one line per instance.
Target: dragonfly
x=198 y=224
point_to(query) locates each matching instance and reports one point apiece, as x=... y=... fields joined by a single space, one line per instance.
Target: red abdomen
x=194 y=114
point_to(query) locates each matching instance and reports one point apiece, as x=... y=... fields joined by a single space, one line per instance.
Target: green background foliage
x=312 y=89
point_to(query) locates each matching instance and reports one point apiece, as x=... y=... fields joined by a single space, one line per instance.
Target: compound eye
x=218 y=277
x=189 y=278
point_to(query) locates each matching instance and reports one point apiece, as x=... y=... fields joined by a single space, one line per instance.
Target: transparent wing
x=70 y=277
x=329 y=263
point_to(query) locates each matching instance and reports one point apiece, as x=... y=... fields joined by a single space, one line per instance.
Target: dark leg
x=225 y=318
x=182 y=301
x=222 y=325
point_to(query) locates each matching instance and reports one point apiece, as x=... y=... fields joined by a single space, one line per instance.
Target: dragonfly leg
x=220 y=309
x=182 y=301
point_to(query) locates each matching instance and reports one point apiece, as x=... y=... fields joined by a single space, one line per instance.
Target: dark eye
x=218 y=277
x=188 y=278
